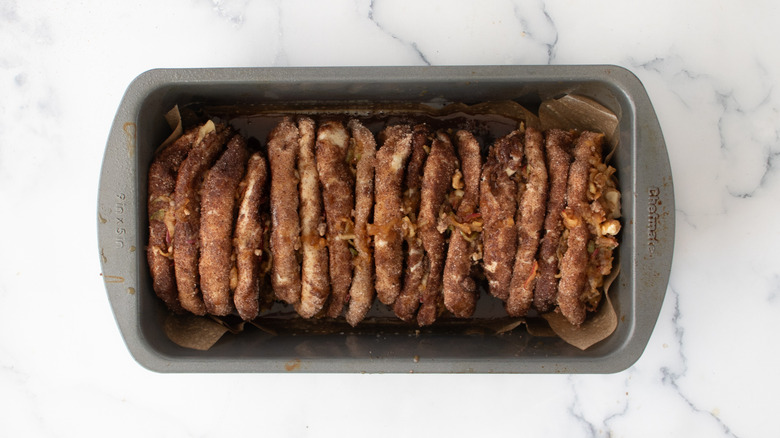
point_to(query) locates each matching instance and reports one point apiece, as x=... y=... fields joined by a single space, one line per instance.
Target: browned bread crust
x=459 y=288
x=498 y=206
x=248 y=238
x=337 y=185
x=533 y=206
x=218 y=213
x=388 y=240
x=285 y=228
x=574 y=263
x=161 y=207
x=408 y=300
x=558 y=145
x=315 y=283
x=361 y=293
x=437 y=179
x=186 y=239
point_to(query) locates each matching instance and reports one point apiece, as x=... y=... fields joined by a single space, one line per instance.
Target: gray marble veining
x=710 y=368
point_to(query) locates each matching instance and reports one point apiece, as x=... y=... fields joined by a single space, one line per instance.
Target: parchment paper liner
x=567 y=112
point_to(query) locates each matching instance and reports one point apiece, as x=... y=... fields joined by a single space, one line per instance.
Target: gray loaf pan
x=645 y=252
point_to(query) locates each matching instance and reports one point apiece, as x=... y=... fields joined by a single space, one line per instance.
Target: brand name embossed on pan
x=652 y=218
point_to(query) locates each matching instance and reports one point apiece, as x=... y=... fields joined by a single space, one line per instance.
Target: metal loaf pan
x=645 y=253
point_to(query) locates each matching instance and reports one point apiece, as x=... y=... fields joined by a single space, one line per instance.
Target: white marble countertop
x=710 y=68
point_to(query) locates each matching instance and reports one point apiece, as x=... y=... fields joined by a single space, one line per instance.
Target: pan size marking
x=119 y=220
